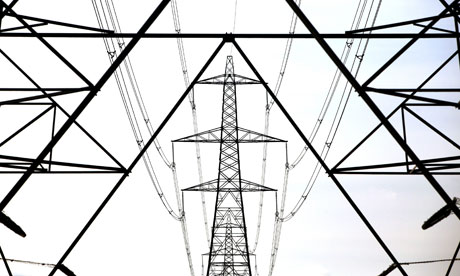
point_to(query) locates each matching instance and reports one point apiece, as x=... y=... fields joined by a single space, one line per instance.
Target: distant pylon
x=229 y=208
x=229 y=253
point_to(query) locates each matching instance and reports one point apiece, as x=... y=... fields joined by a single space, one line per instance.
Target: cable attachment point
x=228 y=37
x=111 y=54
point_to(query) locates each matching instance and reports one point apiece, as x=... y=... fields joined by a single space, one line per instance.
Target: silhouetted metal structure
x=228 y=252
x=229 y=242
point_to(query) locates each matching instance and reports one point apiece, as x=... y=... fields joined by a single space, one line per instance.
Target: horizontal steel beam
x=430 y=90
x=418 y=98
x=234 y=36
x=59 y=23
x=28 y=161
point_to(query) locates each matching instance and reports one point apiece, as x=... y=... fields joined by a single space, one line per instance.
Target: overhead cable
x=191 y=97
x=280 y=218
x=338 y=115
x=113 y=47
x=286 y=54
x=107 y=16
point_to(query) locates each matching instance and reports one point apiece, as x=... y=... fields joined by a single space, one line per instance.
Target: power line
x=235 y=8
x=284 y=62
x=64 y=269
x=280 y=218
x=191 y=97
x=339 y=111
x=109 y=16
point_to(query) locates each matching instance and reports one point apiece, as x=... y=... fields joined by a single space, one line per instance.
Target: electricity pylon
x=228 y=252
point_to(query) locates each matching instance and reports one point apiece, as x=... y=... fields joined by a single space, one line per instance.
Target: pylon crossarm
x=208 y=136
x=244 y=136
x=220 y=79
x=246 y=186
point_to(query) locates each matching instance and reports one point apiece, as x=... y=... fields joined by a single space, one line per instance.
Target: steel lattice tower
x=229 y=253
x=421 y=98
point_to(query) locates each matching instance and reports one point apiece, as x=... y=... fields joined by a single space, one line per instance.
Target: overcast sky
x=135 y=235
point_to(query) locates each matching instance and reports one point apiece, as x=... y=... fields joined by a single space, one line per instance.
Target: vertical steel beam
x=456 y=23
x=361 y=91
x=403 y=119
x=2 y=14
x=83 y=104
x=321 y=161
x=53 y=128
x=138 y=157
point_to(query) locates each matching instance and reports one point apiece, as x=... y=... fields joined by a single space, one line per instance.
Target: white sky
x=134 y=235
